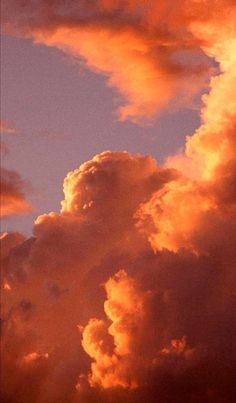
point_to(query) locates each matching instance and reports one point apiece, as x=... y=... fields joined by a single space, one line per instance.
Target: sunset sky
x=118 y=201
x=63 y=114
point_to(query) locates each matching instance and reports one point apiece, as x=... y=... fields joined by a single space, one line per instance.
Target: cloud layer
x=128 y=294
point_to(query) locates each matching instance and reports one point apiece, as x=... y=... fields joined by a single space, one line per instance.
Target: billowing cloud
x=113 y=347
x=58 y=263
x=157 y=244
x=169 y=315
x=195 y=205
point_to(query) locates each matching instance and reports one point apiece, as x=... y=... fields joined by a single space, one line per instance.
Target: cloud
x=169 y=315
x=97 y=209
x=5 y=128
x=12 y=195
x=148 y=52
x=11 y=184
x=113 y=346
x=188 y=206
x=161 y=240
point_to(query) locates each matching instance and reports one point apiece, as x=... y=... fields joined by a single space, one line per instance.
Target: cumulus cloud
x=200 y=202
x=157 y=244
x=48 y=272
x=169 y=314
x=125 y=309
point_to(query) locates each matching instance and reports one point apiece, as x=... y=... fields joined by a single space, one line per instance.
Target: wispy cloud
x=5 y=128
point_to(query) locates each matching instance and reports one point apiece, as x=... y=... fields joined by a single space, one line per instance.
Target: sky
x=63 y=115
x=118 y=201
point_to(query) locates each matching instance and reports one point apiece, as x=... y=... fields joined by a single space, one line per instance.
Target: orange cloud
x=145 y=58
x=169 y=325
x=184 y=207
x=12 y=196
x=31 y=357
x=164 y=320
x=113 y=347
x=5 y=128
